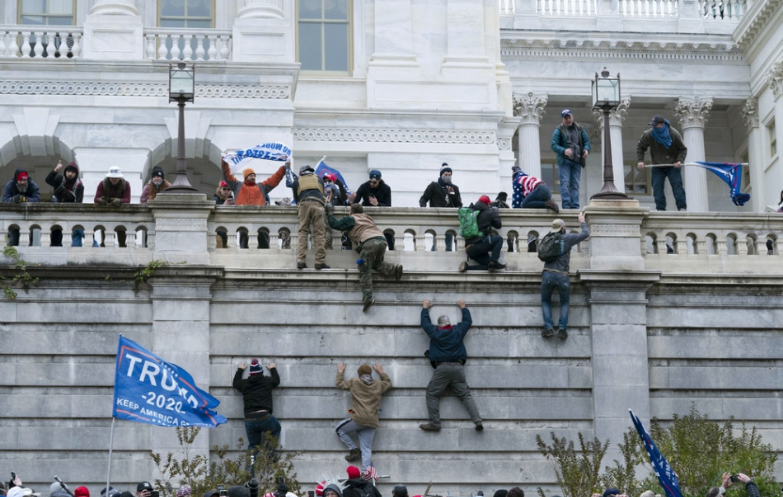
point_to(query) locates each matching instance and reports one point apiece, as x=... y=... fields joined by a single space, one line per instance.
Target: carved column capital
x=617 y=115
x=260 y=8
x=115 y=7
x=598 y=125
x=530 y=107
x=775 y=79
x=693 y=112
x=750 y=113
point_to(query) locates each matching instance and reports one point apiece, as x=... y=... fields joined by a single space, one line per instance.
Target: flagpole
x=111 y=446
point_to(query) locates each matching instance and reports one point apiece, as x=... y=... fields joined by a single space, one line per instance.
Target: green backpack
x=468 y=223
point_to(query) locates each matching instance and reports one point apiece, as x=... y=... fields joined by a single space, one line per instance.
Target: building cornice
x=754 y=21
x=79 y=88
x=394 y=135
x=643 y=46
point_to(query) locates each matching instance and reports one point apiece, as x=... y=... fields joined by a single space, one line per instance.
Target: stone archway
x=203 y=160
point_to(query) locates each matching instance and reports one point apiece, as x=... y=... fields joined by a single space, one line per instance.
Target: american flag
x=370 y=474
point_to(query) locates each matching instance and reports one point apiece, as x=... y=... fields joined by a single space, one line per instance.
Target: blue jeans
x=256 y=432
x=537 y=198
x=658 y=176
x=570 y=172
x=480 y=252
x=550 y=281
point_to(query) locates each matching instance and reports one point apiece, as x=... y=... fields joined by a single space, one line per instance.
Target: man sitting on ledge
x=485 y=248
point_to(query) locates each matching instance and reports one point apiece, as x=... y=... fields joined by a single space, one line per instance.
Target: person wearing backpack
x=480 y=244
x=555 y=250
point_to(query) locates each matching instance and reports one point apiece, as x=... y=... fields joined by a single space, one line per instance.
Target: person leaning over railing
x=21 y=189
x=114 y=191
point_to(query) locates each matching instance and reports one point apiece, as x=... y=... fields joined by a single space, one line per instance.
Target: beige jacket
x=366 y=399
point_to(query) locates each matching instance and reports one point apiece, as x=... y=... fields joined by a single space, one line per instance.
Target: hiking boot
x=322 y=266
x=368 y=304
x=548 y=332
x=301 y=265
x=355 y=455
x=429 y=427
x=551 y=204
x=463 y=266
x=479 y=426
x=562 y=334
x=398 y=272
x=495 y=266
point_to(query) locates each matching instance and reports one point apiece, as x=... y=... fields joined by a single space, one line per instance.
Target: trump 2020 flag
x=322 y=168
x=732 y=175
x=666 y=475
x=148 y=389
x=273 y=151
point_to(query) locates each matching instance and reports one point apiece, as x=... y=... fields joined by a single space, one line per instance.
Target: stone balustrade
x=717 y=10
x=672 y=243
x=40 y=42
x=187 y=44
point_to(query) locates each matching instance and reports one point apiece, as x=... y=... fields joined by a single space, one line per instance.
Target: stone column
x=181 y=227
x=263 y=31
x=115 y=7
x=775 y=82
x=113 y=30
x=692 y=112
x=616 y=283
x=750 y=113
x=616 y=119
x=530 y=109
x=506 y=160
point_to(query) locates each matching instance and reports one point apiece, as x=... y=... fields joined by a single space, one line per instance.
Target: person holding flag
x=247 y=191
x=666 y=147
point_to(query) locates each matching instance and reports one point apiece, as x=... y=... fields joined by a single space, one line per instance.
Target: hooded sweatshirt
x=256 y=390
x=150 y=190
x=11 y=189
x=365 y=399
x=66 y=190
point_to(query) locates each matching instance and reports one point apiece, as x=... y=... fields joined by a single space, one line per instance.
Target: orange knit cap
x=247 y=172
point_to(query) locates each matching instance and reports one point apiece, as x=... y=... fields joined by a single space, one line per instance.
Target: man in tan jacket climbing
x=366 y=393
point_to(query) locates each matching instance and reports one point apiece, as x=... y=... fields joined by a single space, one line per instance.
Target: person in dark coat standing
x=356 y=486
x=448 y=355
x=256 y=393
x=375 y=192
x=442 y=193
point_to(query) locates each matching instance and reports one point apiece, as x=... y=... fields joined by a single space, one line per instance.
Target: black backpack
x=551 y=247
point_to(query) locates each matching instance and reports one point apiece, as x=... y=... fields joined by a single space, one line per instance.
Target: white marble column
x=115 y=7
x=530 y=109
x=750 y=113
x=260 y=8
x=616 y=119
x=692 y=113
x=775 y=82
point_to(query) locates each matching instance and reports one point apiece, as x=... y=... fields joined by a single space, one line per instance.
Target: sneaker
x=681 y=209
x=479 y=426
x=301 y=265
x=495 y=266
x=322 y=266
x=429 y=427
x=463 y=266
x=548 y=332
x=368 y=304
x=551 y=204
x=562 y=334
x=398 y=272
x=355 y=455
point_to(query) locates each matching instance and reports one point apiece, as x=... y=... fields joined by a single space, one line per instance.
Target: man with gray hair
x=555 y=275
x=447 y=355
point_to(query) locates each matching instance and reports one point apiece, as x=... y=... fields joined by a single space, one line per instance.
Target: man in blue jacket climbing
x=447 y=355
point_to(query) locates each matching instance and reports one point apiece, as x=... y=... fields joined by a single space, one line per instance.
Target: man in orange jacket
x=248 y=192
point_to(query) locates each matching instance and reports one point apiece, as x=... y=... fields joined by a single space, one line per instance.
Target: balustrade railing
x=189 y=45
x=578 y=8
x=727 y=10
x=648 y=8
x=672 y=243
x=506 y=7
x=41 y=42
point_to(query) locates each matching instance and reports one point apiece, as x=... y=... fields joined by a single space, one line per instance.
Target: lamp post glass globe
x=182 y=84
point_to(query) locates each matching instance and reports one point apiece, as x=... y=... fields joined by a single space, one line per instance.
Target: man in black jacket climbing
x=256 y=393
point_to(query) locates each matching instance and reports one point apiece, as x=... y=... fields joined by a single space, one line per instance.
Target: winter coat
x=121 y=190
x=256 y=390
x=365 y=399
x=64 y=192
x=560 y=144
x=382 y=194
x=255 y=194
x=151 y=191
x=446 y=343
x=487 y=220
x=658 y=153
x=358 y=487
x=32 y=194
x=437 y=195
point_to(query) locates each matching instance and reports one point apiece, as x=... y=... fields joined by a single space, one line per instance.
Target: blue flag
x=666 y=475
x=148 y=389
x=268 y=151
x=322 y=168
x=732 y=175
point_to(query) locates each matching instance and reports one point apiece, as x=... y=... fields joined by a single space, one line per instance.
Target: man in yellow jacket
x=366 y=393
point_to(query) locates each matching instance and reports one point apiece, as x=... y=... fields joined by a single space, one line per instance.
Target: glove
x=20 y=199
x=116 y=202
x=101 y=200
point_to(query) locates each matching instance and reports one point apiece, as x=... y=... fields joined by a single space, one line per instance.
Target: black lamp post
x=182 y=85
x=606 y=94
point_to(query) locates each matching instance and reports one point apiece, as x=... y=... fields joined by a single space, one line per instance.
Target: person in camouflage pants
x=370 y=242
